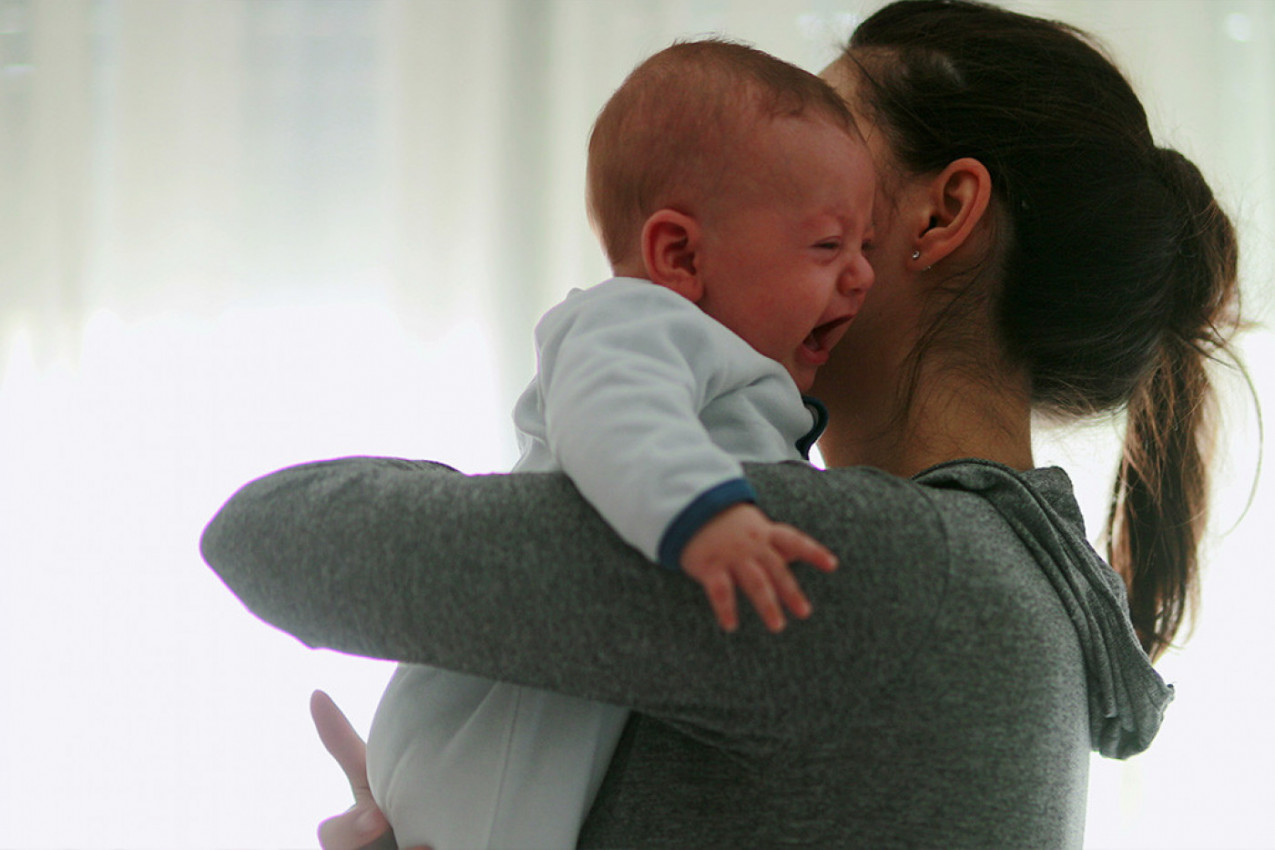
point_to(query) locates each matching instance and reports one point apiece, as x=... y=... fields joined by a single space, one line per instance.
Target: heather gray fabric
x=946 y=692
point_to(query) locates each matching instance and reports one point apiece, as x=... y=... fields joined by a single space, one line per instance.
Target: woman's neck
x=950 y=415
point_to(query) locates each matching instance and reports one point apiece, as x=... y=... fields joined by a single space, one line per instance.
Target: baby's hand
x=743 y=547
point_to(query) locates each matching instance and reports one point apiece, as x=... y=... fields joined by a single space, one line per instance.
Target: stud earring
x=916 y=255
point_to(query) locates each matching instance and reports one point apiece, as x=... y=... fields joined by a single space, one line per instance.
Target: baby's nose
x=858 y=277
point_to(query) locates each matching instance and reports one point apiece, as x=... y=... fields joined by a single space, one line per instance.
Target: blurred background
x=238 y=235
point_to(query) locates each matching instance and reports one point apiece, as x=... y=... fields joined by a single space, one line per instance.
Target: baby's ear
x=670 y=240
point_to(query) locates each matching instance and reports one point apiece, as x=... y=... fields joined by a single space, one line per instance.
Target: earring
x=916 y=255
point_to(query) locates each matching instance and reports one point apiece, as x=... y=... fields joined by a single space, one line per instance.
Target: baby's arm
x=631 y=379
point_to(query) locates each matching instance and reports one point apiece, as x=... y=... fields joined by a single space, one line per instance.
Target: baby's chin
x=804 y=379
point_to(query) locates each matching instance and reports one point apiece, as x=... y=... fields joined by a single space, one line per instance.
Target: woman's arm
x=515 y=577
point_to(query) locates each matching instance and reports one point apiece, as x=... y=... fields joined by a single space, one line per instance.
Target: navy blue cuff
x=693 y=517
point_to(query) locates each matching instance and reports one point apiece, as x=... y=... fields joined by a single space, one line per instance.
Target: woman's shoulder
x=919 y=511
x=944 y=557
x=965 y=549
x=972 y=571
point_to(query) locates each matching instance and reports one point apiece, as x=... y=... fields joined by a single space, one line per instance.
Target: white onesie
x=651 y=407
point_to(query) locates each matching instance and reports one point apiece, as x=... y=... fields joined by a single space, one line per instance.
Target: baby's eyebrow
x=852 y=218
x=821 y=224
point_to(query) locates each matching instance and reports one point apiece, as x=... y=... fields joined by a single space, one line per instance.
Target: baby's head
x=740 y=182
x=681 y=132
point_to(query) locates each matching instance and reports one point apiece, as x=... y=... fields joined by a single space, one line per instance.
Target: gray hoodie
x=959 y=666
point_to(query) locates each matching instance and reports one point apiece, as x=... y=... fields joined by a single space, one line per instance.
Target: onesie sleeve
x=626 y=370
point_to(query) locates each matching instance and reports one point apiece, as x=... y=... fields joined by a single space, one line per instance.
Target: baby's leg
x=461 y=762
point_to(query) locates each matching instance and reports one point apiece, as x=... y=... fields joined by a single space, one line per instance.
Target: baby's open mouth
x=824 y=337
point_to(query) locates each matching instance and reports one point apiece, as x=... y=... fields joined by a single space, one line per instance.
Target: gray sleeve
x=516 y=578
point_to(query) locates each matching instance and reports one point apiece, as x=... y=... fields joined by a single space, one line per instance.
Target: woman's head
x=1109 y=275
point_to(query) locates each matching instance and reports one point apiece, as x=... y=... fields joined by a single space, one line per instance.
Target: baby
x=732 y=195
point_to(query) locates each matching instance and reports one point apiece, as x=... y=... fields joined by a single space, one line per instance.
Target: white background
x=238 y=235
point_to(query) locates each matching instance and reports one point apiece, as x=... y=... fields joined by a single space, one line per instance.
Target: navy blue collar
x=820 y=413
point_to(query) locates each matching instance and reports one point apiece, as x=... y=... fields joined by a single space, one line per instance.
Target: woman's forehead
x=844 y=79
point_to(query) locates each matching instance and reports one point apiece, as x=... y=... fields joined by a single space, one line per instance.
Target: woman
x=1034 y=250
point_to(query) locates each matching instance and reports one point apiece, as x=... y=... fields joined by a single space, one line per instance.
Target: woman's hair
x=1117 y=267
x=679 y=124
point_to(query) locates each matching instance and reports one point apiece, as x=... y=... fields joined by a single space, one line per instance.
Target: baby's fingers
x=786 y=587
x=795 y=545
x=756 y=582
x=720 y=591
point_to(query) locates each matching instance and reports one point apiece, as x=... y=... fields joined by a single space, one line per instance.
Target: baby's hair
x=677 y=124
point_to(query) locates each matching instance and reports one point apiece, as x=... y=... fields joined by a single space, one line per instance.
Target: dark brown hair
x=1117 y=266
x=677 y=125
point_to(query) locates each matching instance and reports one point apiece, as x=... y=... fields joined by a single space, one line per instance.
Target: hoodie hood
x=1127 y=697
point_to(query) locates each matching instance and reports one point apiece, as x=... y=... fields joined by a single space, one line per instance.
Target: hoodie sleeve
x=516 y=578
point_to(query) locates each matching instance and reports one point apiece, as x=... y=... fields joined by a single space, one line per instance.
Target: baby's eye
x=829 y=244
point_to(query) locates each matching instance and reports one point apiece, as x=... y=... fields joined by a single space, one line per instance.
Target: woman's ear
x=670 y=241
x=957 y=201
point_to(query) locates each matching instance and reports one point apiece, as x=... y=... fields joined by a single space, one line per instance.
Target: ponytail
x=1159 y=503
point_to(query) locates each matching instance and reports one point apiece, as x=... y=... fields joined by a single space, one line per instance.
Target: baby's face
x=782 y=260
